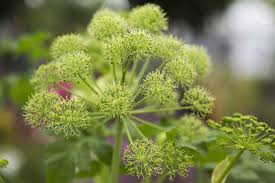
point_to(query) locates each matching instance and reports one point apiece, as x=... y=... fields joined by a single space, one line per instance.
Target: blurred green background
x=239 y=35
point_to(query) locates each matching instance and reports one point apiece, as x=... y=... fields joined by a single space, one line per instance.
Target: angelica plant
x=242 y=133
x=149 y=71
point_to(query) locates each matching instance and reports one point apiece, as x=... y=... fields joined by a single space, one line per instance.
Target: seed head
x=199 y=100
x=66 y=44
x=116 y=100
x=149 y=17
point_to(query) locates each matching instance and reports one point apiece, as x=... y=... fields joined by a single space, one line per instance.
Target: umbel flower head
x=182 y=72
x=67 y=44
x=176 y=160
x=106 y=24
x=73 y=65
x=136 y=45
x=49 y=111
x=45 y=75
x=116 y=100
x=190 y=129
x=245 y=132
x=198 y=57
x=168 y=48
x=159 y=88
x=149 y=17
x=143 y=158
x=199 y=100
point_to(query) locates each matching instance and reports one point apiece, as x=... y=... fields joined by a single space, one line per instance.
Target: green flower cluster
x=148 y=71
x=145 y=158
x=244 y=132
x=66 y=117
x=189 y=130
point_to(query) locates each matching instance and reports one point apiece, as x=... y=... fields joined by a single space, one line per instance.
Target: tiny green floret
x=67 y=44
x=149 y=17
x=199 y=100
x=159 y=88
x=106 y=24
x=143 y=158
x=245 y=132
x=182 y=72
x=116 y=100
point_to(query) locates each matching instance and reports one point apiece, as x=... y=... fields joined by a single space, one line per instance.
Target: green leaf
x=218 y=170
x=60 y=168
x=60 y=164
x=94 y=168
x=104 y=152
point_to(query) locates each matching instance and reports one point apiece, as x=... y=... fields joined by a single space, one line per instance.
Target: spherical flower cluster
x=198 y=57
x=116 y=100
x=159 y=88
x=139 y=45
x=176 y=160
x=149 y=17
x=168 y=48
x=191 y=129
x=106 y=24
x=73 y=65
x=66 y=44
x=114 y=51
x=245 y=132
x=65 y=117
x=146 y=158
x=199 y=100
x=143 y=158
x=182 y=72
x=45 y=75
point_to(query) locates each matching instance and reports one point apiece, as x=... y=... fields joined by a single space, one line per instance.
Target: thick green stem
x=229 y=166
x=116 y=154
